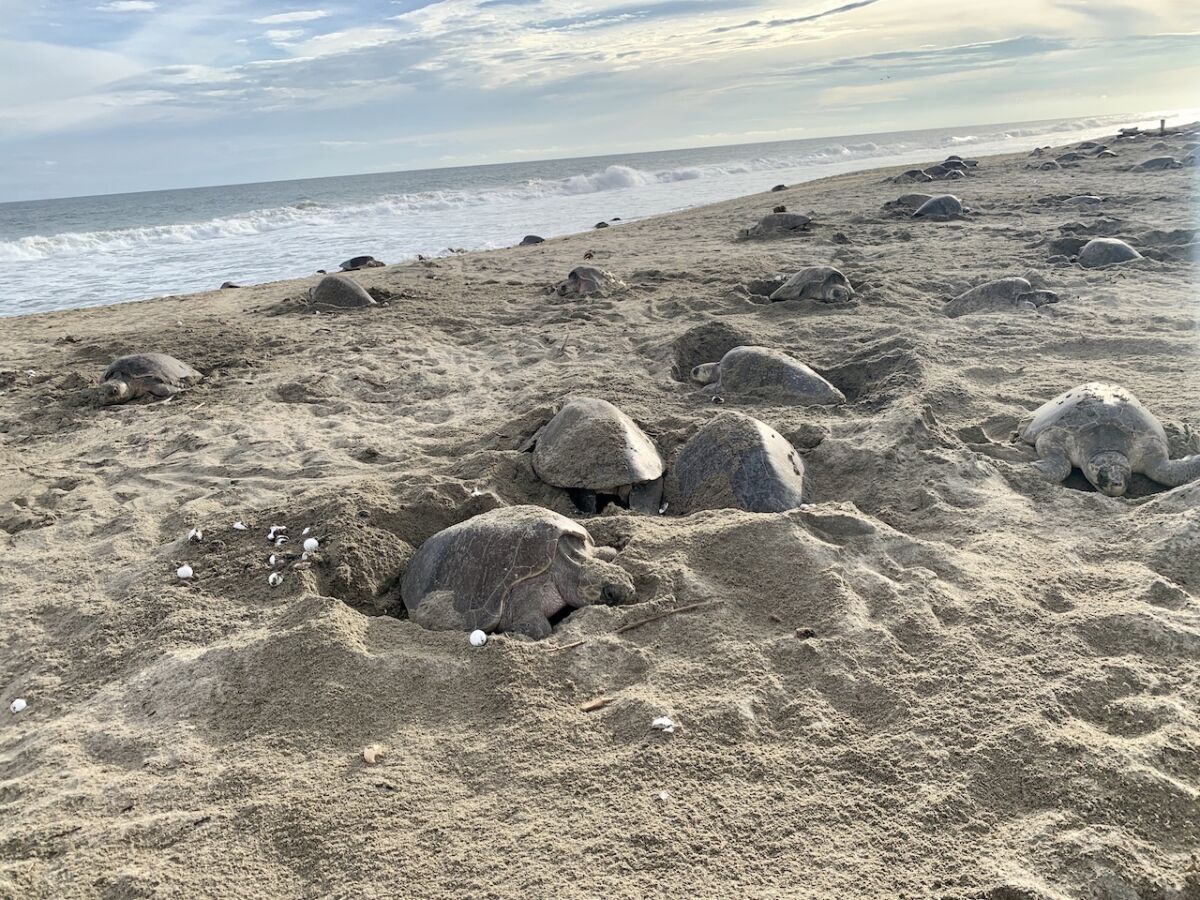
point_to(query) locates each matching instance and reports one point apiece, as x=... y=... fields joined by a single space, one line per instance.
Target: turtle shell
x=341 y=290
x=944 y=206
x=1090 y=406
x=592 y=445
x=464 y=576
x=763 y=371
x=816 y=283
x=584 y=281
x=1100 y=252
x=152 y=366
x=736 y=461
x=776 y=225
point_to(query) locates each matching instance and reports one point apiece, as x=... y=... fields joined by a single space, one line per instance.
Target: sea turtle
x=510 y=569
x=824 y=283
x=599 y=455
x=1001 y=294
x=531 y=239
x=937 y=171
x=1084 y=200
x=1105 y=154
x=1049 y=165
x=1105 y=431
x=584 y=281
x=969 y=163
x=778 y=188
x=775 y=225
x=941 y=208
x=954 y=162
x=953 y=175
x=1157 y=164
x=1088 y=145
x=340 y=290
x=736 y=461
x=1069 y=157
x=908 y=201
x=133 y=376
x=1099 y=252
x=912 y=175
x=361 y=262
x=761 y=371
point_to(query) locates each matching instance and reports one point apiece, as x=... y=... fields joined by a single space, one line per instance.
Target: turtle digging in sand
x=510 y=569
x=776 y=225
x=587 y=281
x=823 y=283
x=1105 y=431
x=598 y=455
x=1001 y=294
x=761 y=371
x=941 y=208
x=341 y=291
x=141 y=374
x=1100 y=252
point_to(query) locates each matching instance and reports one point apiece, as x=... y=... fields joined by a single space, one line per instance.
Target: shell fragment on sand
x=665 y=724
x=17 y=705
x=274 y=579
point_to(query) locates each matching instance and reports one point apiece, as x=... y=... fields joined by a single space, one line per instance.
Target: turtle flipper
x=1054 y=466
x=1173 y=472
x=647 y=497
x=158 y=389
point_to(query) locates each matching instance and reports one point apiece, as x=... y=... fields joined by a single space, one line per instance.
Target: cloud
x=128 y=6
x=283 y=35
x=303 y=15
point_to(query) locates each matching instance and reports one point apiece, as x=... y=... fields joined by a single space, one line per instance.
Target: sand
x=943 y=677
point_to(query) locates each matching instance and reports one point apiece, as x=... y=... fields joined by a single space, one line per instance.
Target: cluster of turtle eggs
x=275 y=535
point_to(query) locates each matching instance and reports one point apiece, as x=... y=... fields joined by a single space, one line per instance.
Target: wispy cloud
x=303 y=15
x=119 y=6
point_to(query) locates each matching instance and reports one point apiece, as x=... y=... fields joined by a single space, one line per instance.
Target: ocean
x=89 y=251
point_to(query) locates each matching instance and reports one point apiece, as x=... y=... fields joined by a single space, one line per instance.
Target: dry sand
x=943 y=678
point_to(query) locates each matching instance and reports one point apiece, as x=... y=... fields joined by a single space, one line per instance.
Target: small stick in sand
x=595 y=704
x=662 y=615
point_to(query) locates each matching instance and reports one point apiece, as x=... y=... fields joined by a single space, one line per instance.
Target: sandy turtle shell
x=586 y=281
x=911 y=176
x=341 y=291
x=764 y=372
x=1158 y=164
x=1001 y=294
x=1105 y=431
x=940 y=208
x=510 y=569
x=735 y=461
x=908 y=201
x=531 y=239
x=140 y=374
x=361 y=262
x=776 y=225
x=824 y=283
x=592 y=449
x=1099 y=252
x=1069 y=157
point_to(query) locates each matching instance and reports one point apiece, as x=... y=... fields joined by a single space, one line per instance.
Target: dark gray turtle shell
x=1094 y=407
x=736 y=461
x=823 y=283
x=132 y=376
x=592 y=445
x=776 y=225
x=1158 y=164
x=908 y=201
x=945 y=206
x=1070 y=156
x=1099 y=252
x=508 y=570
x=530 y=239
x=361 y=262
x=911 y=176
x=586 y=281
x=1001 y=294
x=764 y=372
x=341 y=291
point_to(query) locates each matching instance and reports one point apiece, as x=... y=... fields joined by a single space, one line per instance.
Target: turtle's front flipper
x=1054 y=465
x=1173 y=472
x=646 y=497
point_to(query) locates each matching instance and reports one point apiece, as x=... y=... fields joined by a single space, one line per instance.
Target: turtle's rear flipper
x=646 y=497
x=1173 y=472
x=162 y=391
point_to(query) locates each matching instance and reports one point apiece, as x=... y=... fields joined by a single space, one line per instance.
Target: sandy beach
x=942 y=677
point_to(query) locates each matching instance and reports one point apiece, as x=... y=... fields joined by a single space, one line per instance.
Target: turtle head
x=705 y=374
x=1109 y=472
x=113 y=391
x=602 y=582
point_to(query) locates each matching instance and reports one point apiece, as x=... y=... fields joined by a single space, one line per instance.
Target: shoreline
x=941 y=675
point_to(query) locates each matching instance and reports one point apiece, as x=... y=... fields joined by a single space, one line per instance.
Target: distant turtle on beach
x=1049 y=165
x=340 y=291
x=941 y=209
x=907 y=201
x=599 y=455
x=361 y=262
x=911 y=176
x=1158 y=164
x=1100 y=252
x=823 y=283
x=585 y=281
x=1001 y=294
x=764 y=372
x=1069 y=157
x=141 y=374
x=1105 y=431
x=735 y=461
x=530 y=239
x=776 y=225
x=511 y=569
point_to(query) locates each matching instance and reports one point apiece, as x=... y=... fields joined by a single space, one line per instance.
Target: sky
x=124 y=95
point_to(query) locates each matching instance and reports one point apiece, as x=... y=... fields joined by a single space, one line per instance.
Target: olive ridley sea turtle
x=130 y=377
x=1099 y=252
x=735 y=461
x=1105 y=431
x=598 y=454
x=776 y=225
x=1158 y=164
x=824 y=283
x=341 y=291
x=1001 y=294
x=361 y=262
x=586 y=281
x=941 y=208
x=510 y=569
x=764 y=372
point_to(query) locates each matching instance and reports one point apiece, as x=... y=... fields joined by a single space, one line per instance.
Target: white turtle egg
x=17 y=705
x=311 y=545
x=274 y=579
x=184 y=571
x=477 y=638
